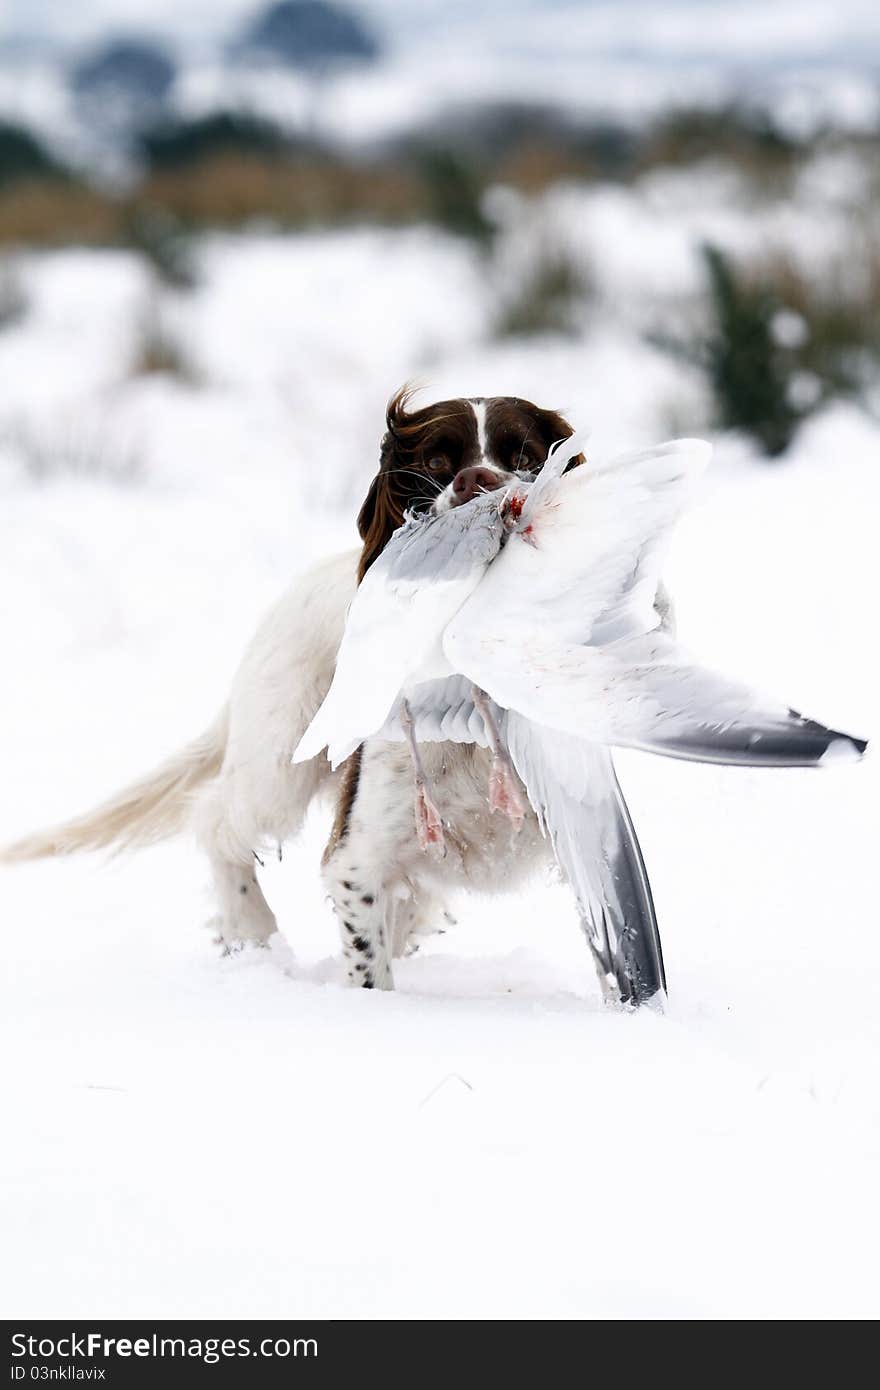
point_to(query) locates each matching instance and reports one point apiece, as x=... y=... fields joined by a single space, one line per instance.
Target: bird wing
x=442 y=711
x=574 y=790
x=585 y=567
x=665 y=703
x=643 y=692
x=543 y=488
x=396 y=619
x=565 y=630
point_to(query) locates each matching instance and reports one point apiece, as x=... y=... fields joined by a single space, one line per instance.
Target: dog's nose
x=469 y=481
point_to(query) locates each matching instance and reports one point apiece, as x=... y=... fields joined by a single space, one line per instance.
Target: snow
x=188 y=1135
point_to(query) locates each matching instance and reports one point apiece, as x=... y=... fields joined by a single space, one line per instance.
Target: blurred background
x=266 y=216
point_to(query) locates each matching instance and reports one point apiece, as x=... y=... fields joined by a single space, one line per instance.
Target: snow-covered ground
x=188 y=1135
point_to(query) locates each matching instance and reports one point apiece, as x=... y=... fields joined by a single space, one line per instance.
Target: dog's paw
x=231 y=938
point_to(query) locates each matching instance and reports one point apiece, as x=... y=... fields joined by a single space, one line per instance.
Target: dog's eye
x=438 y=462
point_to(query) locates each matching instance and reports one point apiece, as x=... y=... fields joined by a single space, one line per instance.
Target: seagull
x=532 y=621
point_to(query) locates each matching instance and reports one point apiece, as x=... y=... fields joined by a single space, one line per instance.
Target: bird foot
x=504 y=793
x=429 y=824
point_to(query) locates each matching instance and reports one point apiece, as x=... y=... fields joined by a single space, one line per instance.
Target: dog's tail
x=142 y=814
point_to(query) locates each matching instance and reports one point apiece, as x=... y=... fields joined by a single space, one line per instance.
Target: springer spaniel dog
x=236 y=785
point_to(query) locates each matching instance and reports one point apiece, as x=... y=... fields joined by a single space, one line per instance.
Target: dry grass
x=841 y=311
x=87 y=452
x=158 y=350
x=745 y=140
x=232 y=190
x=225 y=191
x=534 y=165
x=55 y=212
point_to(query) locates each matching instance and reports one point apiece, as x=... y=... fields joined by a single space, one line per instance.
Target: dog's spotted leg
x=369 y=857
x=361 y=908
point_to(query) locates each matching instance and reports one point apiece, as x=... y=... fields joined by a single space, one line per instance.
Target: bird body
x=527 y=620
x=393 y=635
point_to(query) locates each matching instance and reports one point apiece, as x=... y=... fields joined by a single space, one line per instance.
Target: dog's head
x=444 y=454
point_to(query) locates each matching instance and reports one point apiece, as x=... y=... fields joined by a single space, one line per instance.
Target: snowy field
x=195 y=1136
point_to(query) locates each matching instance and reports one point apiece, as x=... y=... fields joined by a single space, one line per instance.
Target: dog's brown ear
x=378 y=518
x=555 y=426
x=382 y=511
x=370 y=525
x=367 y=513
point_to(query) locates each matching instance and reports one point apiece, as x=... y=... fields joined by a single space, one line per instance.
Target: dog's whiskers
x=521 y=448
x=423 y=477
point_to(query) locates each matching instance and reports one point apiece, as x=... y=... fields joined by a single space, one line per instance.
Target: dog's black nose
x=469 y=481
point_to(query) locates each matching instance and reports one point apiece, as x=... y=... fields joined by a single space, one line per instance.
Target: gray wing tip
x=835 y=745
x=787 y=742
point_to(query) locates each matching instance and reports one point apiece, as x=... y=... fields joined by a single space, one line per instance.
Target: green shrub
x=157 y=235
x=183 y=143
x=750 y=372
x=780 y=343
x=547 y=299
x=453 y=193
x=22 y=156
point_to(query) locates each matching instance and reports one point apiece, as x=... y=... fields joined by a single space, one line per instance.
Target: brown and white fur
x=236 y=786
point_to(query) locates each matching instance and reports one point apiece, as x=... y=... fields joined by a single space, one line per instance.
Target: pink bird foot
x=504 y=793
x=429 y=824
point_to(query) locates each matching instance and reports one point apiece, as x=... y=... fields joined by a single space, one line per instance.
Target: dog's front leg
x=370 y=858
x=362 y=908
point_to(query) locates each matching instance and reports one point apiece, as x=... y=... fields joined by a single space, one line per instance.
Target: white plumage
x=394 y=631
x=508 y=588
x=528 y=620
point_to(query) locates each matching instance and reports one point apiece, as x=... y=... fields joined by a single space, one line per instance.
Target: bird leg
x=429 y=823
x=504 y=792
